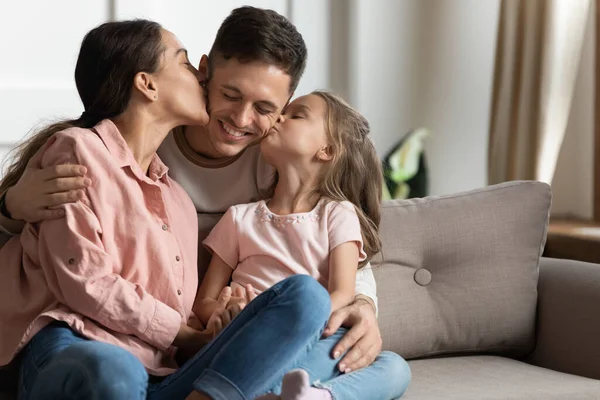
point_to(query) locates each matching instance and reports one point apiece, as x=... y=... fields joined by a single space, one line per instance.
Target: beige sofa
x=464 y=297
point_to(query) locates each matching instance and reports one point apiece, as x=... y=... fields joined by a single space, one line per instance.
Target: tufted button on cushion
x=423 y=277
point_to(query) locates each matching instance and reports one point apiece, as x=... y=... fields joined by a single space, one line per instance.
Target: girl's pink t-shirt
x=264 y=248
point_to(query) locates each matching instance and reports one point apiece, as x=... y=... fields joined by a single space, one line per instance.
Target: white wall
x=427 y=63
x=194 y=22
x=36 y=80
x=38 y=59
x=404 y=64
x=455 y=90
x=385 y=66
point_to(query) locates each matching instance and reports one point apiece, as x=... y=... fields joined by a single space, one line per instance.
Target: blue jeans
x=386 y=378
x=249 y=356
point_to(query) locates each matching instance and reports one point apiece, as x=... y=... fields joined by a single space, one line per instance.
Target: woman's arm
x=217 y=277
x=343 y=264
x=80 y=272
x=82 y=275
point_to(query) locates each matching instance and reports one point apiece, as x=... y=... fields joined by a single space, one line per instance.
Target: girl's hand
x=241 y=297
x=193 y=335
x=228 y=307
x=220 y=316
x=194 y=322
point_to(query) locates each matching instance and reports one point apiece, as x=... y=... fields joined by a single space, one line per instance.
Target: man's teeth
x=233 y=132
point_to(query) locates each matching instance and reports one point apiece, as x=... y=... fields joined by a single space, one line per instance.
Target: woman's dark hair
x=109 y=58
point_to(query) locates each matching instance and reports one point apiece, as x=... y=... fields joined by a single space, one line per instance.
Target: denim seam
x=35 y=362
x=211 y=374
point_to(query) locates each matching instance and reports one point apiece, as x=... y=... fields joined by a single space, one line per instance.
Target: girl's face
x=299 y=134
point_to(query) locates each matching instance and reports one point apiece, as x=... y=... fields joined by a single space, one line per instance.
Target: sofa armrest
x=568 y=320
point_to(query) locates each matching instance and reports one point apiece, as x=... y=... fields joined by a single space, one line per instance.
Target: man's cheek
x=273 y=120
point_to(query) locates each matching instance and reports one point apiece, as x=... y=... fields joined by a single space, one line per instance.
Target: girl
x=94 y=305
x=321 y=219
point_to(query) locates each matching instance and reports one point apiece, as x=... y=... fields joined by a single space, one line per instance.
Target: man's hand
x=38 y=190
x=363 y=340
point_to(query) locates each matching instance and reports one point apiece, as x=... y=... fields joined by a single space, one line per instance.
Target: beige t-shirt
x=216 y=186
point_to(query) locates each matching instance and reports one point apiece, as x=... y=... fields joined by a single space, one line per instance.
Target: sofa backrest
x=459 y=273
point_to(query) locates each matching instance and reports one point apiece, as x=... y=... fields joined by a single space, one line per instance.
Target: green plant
x=405 y=169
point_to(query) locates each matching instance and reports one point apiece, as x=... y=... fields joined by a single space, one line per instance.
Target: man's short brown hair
x=255 y=34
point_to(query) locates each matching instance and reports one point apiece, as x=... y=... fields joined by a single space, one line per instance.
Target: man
x=252 y=70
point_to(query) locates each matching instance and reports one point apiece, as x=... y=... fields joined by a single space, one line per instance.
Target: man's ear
x=145 y=84
x=203 y=68
x=325 y=153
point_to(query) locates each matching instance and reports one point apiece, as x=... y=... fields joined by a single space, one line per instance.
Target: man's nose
x=242 y=117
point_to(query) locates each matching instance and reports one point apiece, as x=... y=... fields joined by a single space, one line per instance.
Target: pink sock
x=296 y=386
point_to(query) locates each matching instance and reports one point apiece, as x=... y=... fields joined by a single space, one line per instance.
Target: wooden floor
x=573 y=239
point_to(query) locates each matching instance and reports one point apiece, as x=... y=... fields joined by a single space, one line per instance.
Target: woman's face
x=180 y=94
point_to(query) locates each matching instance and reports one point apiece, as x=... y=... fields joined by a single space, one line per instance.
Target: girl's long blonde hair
x=355 y=173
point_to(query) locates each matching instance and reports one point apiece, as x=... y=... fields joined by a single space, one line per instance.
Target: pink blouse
x=120 y=268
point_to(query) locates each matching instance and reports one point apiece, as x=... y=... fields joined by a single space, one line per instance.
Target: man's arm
x=8 y=225
x=37 y=194
x=366 y=287
x=363 y=340
x=362 y=298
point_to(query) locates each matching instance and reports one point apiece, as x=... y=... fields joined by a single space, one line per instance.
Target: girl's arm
x=343 y=264
x=216 y=278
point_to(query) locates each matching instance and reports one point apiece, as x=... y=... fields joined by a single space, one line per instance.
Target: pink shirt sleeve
x=80 y=273
x=223 y=239
x=343 y=226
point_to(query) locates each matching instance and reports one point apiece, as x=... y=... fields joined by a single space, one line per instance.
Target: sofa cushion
x=460 y=272
x=494 y=378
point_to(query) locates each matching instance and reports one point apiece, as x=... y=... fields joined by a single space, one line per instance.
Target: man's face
x=244 y=102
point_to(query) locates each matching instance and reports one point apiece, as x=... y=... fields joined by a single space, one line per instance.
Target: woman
x=95 y=305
